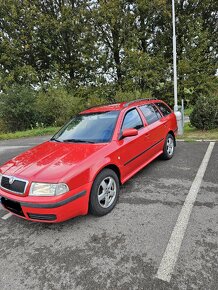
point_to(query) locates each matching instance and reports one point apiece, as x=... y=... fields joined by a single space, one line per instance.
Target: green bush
x=96 y=94
x=22 y=107
x=17 y=108
x=56 y=106
x=205 y=113
x=128 y=96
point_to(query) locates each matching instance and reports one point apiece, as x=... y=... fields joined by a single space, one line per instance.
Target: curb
x=198 y=140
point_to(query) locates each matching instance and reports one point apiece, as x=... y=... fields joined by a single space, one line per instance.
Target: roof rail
x=138 y=100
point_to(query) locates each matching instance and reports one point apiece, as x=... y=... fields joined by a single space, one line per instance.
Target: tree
x=112 y=22
x=17 y=109
x=146 y=65
x=98 y=45
x=196 y=46
x=44 y=40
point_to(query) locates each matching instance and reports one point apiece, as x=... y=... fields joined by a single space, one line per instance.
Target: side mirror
x=129 y=132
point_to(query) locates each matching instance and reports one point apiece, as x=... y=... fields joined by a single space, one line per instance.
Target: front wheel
x=169 y=147
x=104 y=193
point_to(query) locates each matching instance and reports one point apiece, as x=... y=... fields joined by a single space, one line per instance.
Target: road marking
x=7 y=216
x=197 y=140
x=4 y=148
x=171 y=253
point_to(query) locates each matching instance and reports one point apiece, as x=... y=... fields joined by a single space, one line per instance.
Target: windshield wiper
x=56 y=140
x=78 y=141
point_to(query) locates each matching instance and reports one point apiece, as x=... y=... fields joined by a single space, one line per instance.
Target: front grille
x=13 y=206
x=42 y=217
x=17 y=186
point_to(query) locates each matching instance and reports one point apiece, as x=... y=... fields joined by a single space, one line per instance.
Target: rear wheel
x=169 y=147
x=104 y=193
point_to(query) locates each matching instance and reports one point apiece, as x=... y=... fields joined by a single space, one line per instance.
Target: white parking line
x=4 y=148
x=171 y=253
x=7 y=216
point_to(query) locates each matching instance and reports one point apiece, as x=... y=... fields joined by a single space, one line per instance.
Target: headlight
x=48 y=189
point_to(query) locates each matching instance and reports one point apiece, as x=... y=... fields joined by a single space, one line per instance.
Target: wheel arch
x=174 y=137
x=111 y=166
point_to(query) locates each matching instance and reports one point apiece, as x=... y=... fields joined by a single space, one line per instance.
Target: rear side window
x=151 y=113
x=132 y=120
x=163 y=108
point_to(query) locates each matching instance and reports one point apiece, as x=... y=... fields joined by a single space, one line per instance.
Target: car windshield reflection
x=88 y=128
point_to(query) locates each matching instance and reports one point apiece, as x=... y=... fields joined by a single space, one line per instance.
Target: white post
x=174 y=58
x=177 y=113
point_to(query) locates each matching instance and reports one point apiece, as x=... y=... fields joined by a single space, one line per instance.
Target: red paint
x=129 y=132
x=77 y=164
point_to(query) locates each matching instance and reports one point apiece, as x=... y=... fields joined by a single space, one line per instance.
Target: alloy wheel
x=170 y=146
x=107 y=192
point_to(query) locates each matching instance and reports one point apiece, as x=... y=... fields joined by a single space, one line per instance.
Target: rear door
x=156 y=127
x=168 y=119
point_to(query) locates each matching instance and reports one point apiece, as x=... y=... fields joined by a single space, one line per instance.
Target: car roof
x=119 y=106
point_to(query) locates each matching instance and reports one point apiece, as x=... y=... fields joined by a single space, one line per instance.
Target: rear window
x=150 y=113
x=163 y=108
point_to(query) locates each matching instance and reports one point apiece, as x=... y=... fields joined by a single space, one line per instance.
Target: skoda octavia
x=81 y=168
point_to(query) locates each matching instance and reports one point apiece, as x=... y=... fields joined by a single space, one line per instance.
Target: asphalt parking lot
x=124 y=249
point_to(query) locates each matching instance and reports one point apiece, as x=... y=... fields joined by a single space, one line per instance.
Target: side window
x=151 y=113
x=156 y=111
x=163 y=108
x=132 y=120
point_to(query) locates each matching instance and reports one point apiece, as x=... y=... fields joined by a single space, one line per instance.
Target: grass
x=188 y=111
x=29 y=133
x=192 y=134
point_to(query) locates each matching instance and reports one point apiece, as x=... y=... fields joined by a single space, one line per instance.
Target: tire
x=169 y=147
x=104 y=193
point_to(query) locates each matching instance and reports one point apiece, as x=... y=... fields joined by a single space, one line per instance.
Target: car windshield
x=88 y=128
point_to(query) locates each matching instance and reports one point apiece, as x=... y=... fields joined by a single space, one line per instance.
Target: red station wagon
x=81 y=168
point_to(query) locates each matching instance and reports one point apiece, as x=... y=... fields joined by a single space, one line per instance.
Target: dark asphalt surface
x=122 y=250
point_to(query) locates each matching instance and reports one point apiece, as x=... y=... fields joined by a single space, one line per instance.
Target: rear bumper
x=49 y=210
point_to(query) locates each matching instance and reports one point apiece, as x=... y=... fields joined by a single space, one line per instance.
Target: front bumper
x=48 y=209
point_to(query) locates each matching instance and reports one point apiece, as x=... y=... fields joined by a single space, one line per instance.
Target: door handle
x=147 y=135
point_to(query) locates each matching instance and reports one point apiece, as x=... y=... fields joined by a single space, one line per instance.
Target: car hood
x=50 y=161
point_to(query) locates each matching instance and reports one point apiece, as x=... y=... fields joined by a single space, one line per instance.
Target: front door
x=130 y=152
